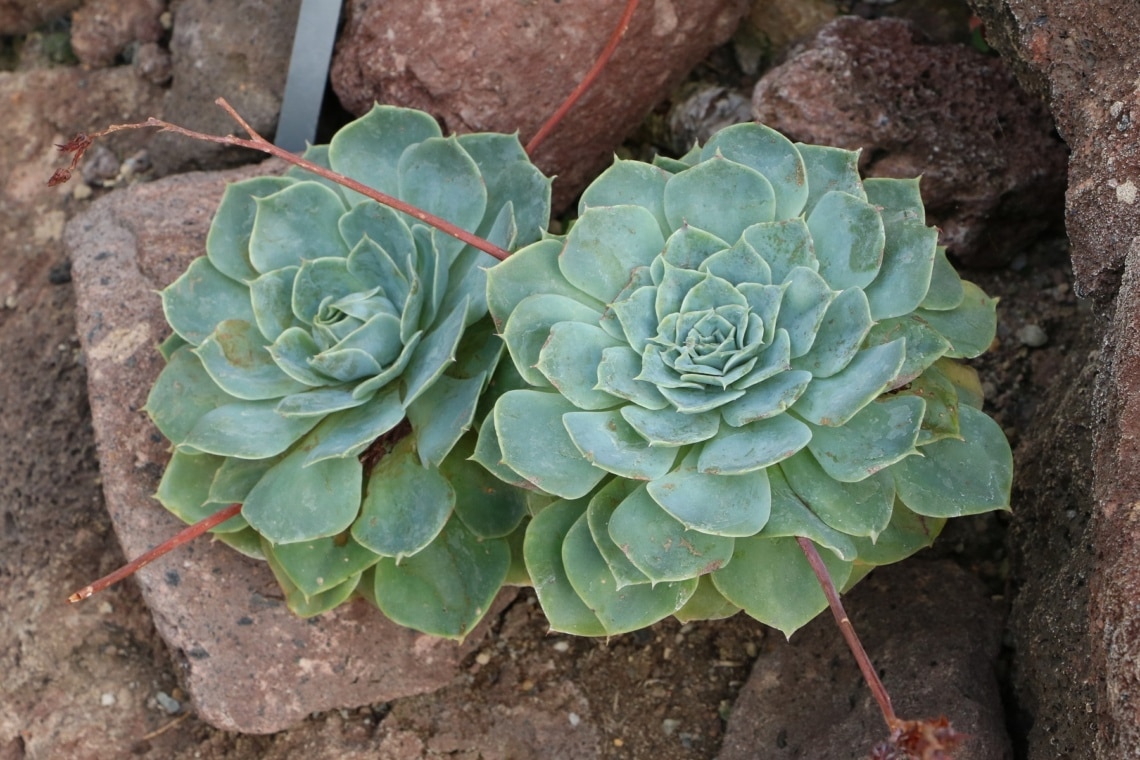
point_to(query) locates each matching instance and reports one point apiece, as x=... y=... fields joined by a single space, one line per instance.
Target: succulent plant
x=728 y=351
x=327 y=359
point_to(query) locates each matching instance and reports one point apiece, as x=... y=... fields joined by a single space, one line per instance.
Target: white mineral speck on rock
x=574 y=719
x=1126 y=193
x=107 y=699
x=561 y=646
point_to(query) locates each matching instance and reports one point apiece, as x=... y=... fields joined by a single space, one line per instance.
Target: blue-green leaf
x=202 y=297
x=227 y=243
x=833 y=400
x=569 y=359
x=770 y=153
x=719 y=196
x=723 y=505
x=442 y=414
x=857 y=509
x=605 y=245
x=247 y=430
x=755 y=446
x=607 y=441
x=660 y=545
x=369 y=148
x=542 y=549
x=629 y=183
x=970 y=327
x=236 y=357
x=880 y=434
x=295 y=224
x=849 y=240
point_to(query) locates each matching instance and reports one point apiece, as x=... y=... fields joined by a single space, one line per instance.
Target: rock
x=932 y=634
x=248 y=663
x=102 y=29
x=238 y=50
x=22 y=16
x=1115 y=590
x=1051 y=559
x=1032 y=336
x=773 y=26
x=704 y=110
x=1083 y=57
x=990 y=165
x=496 y=65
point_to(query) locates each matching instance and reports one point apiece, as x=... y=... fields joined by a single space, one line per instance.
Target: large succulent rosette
x=726 y=352
x=327 y=359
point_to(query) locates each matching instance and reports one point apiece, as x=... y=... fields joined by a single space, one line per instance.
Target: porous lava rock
x=933 y=636
x=501 y=66
x=991 y=166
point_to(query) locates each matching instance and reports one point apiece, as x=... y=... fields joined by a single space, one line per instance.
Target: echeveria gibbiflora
x=725 y=352
x=328 y=357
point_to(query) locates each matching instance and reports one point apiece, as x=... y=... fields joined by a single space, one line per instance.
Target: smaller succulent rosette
x=327 y=359
x=726 y=352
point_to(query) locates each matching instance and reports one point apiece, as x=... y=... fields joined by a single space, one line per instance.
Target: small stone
x=670 y=726
x=107 y=699
x=575 y=719
x=105 y=608
x=561 y=646
x=168 y=703
x=483 y=658
x=1032 y=336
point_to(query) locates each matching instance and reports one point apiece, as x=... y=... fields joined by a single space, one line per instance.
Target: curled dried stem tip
x=908 y=739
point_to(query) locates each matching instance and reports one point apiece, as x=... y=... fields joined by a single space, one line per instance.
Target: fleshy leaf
x=666 y=427
x=770 y=153
x=631 y=183
x=299 y=603
x=202 y=297
x=316 y=567
x=924 y=345
x=369 y=148
x=946 y=289
x=185 y=490
x=719 y=196
x=802 y=310
x=849 y=240
x=791 y=517
x=755 y=446
x=970 y=327
x=442 y=414
x=293 y=502
x=236 y=358
x=348 y=433
x=227 y=243
x=940 y=419
x=845 y=324
x=617 y=375
x=448 y=587
x=532 y=270
x=833 y=400
x=598 y=514
x=437 y=176
x=959 y=477
x=436 y=351
x=236 y=478
x=606 y=245
x=767 y=398
x=486 y=506
x=295 y=224
x=857 y=509
x=247 y=430
x=569 y=359
x=785 y=245
x=619 y=610
x=908 y=260
x=830 y=169
x=771 y=579
x=271 y=296
x=405 y=504
x=535 y=444
x=906 y=533
x=880 y=434
x=689 y=247
x=723 y=505
x=528 y=329
x=543 y=551
x=183 y=392
x=661 y=546
x=706 y=603
x=609 y=442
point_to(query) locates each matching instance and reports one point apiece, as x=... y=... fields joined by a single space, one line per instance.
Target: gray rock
x=238 y=50
x=991 y=166
x=933 y=635
x=498 y=65
x=1032 y=336
x=103 y=29
x=248 y=663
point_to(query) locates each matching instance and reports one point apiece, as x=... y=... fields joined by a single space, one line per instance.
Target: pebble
x=168 y=703
x=561 y=646
x=107 y=699
x=670 y=726
x=575 y=719
x=1032 y=336
x=483 y=658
